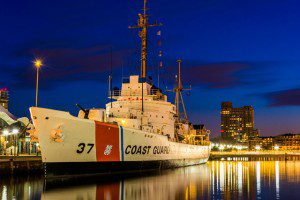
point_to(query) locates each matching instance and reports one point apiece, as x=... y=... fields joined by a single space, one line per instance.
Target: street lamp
x=37 y=64
x=5 y=132
x=36 y=148
x=221 y=147
x=15 y=131
x=276 y=147
x=239 y=147
x=257 y=147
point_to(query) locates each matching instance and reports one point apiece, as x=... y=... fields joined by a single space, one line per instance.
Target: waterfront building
x=16 y=135
x=287 y=141
x=264 y=142
x=237 y=124
x=4 y=97
x=256 y=133
x=6 y=118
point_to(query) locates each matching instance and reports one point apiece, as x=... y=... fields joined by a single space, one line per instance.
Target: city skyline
x=249 y=60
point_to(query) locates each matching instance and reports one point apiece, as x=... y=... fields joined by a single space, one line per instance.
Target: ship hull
x=71 y=145
x=106 y=168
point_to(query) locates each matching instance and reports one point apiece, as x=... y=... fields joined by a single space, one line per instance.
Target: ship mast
x=178 y=98
x=143 y=26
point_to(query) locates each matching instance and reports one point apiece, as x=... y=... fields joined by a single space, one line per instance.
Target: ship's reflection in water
x=215 y=180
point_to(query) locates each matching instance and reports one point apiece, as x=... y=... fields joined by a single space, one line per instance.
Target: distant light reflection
x=4 y=193
x=222 y=175
x=258 y=178
x=217 y=175
x=29 y=191
x=240 y=177
x=277 y=178
x=213 y=178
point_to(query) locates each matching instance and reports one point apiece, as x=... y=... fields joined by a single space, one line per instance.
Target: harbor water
x=214 y=180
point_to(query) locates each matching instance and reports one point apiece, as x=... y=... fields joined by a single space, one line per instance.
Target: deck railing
x=118 y=93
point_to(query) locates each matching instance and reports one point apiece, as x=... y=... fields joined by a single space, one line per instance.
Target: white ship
x=138 y=130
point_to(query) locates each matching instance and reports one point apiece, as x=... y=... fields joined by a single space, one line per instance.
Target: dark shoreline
x=255 y=156
x=21 y=165
x=13 y=165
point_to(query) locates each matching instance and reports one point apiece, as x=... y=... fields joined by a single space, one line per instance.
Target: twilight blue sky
x=244 y=51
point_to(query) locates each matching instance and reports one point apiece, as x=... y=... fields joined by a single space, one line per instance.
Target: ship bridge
x=135 y=88
x=140 y=105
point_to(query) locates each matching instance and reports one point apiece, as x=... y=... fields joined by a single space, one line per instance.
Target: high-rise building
x=4 y=97
x=237 y=123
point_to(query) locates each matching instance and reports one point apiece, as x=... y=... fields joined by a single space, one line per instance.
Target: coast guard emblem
x=107 y=142
x=108 y=149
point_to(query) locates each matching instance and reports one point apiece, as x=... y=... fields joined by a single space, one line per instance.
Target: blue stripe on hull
x=122 y=143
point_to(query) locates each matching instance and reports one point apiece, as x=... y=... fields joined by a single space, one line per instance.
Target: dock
x=20 y=165
x=256 y=156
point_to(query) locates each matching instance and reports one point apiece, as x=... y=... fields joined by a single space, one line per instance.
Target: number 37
x=81 y=147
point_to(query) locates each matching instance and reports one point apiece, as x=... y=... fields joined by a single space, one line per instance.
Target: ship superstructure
x=157 y=115
x=138 y=130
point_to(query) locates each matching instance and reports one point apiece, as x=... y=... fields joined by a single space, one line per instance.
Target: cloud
x=225 y=75
x=67 y=61
x=67 y=64
x=214 y=75
x=290 y=97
